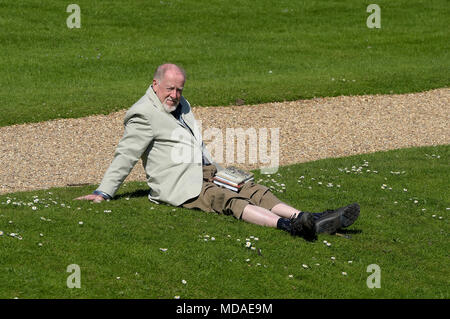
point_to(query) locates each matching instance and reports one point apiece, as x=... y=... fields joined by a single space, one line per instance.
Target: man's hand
x=92 y=197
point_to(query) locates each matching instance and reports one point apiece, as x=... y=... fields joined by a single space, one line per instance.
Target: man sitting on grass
x=158 y=128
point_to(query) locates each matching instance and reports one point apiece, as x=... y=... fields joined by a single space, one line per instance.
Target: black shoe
x=303 y=226
x=332 y=220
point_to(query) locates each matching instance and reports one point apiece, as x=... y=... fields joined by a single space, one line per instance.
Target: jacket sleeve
x=136 y=138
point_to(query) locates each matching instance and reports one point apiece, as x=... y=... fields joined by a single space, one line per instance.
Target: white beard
x=169 y=108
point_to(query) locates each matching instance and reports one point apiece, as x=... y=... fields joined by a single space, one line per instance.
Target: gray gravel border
x=66 y=152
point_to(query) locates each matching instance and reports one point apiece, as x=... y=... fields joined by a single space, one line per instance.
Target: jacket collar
x=154 y=99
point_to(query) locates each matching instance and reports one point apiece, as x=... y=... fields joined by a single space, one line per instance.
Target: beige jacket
x=171 y=155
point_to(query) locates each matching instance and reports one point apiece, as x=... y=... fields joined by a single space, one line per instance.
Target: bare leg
x=303 y=226
x=284 y=210
x=259 y=216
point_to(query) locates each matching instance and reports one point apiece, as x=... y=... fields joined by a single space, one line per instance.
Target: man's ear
x=155 y=82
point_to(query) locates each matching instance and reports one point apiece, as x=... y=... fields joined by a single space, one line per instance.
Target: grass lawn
x=131 y=248
x=257 y=51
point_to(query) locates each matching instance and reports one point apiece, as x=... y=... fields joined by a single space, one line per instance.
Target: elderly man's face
x=169 y=89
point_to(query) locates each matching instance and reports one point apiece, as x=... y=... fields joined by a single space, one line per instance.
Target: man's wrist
x=103 y=194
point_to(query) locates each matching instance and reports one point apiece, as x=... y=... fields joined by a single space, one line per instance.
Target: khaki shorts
x=214 y=198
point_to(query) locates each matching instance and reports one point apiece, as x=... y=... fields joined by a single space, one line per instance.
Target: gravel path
x=78 y=151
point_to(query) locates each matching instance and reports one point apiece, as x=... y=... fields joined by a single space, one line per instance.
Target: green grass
x=122 y=238
x=258 y=51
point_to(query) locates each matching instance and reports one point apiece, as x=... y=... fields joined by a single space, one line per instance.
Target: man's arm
x=137 y=136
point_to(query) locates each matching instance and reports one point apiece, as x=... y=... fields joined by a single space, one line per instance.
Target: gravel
x=71 y=152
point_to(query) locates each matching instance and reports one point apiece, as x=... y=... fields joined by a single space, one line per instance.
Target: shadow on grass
x=135 y=194
x=347 y=233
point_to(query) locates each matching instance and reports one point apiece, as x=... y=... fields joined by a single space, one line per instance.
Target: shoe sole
x=344 y=217
x=350 y=215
